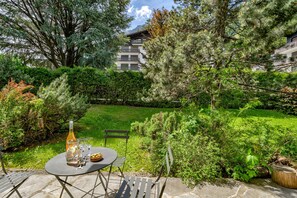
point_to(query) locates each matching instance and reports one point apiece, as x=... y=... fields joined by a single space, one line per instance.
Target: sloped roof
x=138 y=34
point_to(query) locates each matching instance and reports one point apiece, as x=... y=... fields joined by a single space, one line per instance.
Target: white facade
x=289 y=53
x=131 y=55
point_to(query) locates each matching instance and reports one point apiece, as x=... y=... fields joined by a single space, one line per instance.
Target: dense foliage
x=26 y=118
x=111 y=87
x=207 y=37
x=20 y=111
x=208 y=144
x=12 y=69
x=60 y=105
x=99 y=86
x=159 y=25
x=53 y=33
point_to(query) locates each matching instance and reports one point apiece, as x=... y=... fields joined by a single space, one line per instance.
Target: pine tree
x=208 y=37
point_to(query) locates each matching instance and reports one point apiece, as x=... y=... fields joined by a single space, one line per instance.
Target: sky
x=142 y=10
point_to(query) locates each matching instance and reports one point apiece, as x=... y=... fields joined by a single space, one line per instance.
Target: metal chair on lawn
x=118 y=134
x=139 y=187
x=12 y=180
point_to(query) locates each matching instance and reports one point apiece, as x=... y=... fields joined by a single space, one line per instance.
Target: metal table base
x=57 y=166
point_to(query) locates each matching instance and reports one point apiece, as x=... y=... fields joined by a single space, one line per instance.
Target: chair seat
x=133 y=187
x=13 y=179
x=119 y=162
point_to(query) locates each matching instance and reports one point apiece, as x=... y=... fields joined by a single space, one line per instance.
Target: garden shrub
x=234 y=98
x=208 y=143
x=40 y=76
x=288 y=100
x=255 y=143
x=60 y=105
x=131 y=88
x=25 y=117
x=84 y=80
x=272 y=89
x=19 y=114
x=288 y=144
x=12 y=69
x=109 y=87
x=196 y=156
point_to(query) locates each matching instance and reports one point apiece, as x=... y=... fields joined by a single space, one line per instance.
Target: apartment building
x=289 y=53
x=131 y=55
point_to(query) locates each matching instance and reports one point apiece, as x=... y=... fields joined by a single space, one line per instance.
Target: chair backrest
x=116 y=133
x=168 y=164
x=1 y=158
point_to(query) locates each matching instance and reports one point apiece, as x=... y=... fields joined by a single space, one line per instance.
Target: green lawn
x=270 y=116
x=100 y=117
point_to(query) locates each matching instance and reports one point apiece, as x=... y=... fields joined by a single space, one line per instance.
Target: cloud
x=131 y=9
x=143 y=12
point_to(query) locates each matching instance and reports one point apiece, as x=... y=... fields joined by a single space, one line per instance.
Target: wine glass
x=88 y=148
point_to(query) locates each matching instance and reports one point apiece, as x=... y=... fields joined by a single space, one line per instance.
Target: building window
x=134 y=49
x=125 y=49
x=134 y=57
x=134 y=67
x=124 y=67
x=124 y=57
x=137 y=41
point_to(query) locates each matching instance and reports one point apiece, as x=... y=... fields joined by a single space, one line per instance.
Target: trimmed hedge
x=270 y=88
x=107 y=87
x=112 y=87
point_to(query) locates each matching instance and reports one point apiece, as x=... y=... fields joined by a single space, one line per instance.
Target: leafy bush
x=12 y=69
x=207 y=144
x=112 y=87
x=60 y=105
x=196 y=156
x=25 y=118
x=19 y=114
x=272 y=88
x=39 y=76
x=233 y=98
x=288 y=100
x=99 y=86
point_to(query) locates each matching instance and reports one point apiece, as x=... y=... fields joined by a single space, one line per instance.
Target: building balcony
x=289 y=47
x=137 y=42
x=129 y=50
x=128 y=59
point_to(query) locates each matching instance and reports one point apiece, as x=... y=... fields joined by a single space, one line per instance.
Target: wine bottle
x=70 y=137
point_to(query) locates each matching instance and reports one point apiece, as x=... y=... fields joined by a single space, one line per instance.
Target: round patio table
x=58 y=167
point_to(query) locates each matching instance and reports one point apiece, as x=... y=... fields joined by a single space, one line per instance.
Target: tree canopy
x=158 y=24
x=208 y=37
x=63 y=32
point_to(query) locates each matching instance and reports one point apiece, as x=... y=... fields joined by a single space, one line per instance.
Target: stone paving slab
x=228 y=188
x=46 y=186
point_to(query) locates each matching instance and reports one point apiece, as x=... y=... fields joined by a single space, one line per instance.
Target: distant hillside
x=137 y=29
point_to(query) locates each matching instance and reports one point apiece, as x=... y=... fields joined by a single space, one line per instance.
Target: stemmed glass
x=85 y=148
x=88 y=147
x=89 y=151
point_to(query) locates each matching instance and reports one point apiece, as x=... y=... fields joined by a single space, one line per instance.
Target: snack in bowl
x=95 y=157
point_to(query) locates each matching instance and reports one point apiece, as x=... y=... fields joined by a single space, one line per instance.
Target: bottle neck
x=71 y=127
